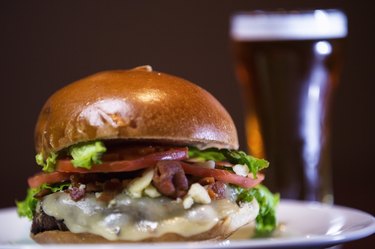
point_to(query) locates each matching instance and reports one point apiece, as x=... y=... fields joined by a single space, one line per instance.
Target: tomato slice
x=223 y=175
x=125 y=165
x=49 y=178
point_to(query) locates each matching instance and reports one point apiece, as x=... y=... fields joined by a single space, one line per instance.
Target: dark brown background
x=47 y=44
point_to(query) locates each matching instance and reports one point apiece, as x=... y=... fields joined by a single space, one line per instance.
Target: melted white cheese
x=135 y=219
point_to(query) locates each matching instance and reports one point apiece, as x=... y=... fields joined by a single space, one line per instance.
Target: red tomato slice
x=54 y=177
x=125 y=165
x=223 y=175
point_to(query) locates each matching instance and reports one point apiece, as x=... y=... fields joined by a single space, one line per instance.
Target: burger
x=138 y=155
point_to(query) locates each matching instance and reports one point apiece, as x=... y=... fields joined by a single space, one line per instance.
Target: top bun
x=137 y=104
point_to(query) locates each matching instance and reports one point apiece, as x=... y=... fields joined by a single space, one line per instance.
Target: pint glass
x=288 y=65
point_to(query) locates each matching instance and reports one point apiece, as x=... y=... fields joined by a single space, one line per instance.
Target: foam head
x=288 y=25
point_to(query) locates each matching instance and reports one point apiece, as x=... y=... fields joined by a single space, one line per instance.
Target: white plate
x=302 y=225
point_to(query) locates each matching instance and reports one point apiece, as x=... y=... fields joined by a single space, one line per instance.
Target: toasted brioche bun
x=137 y=104
x=223 y=229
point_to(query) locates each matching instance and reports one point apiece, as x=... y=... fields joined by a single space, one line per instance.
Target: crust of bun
x=137 y=104
x=222 y=230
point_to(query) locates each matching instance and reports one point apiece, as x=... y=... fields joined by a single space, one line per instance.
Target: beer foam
x=263 y=26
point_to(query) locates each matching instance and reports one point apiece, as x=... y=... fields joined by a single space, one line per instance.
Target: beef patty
x=43 y=222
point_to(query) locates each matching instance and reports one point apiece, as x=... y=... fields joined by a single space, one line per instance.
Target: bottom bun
x=223 y=229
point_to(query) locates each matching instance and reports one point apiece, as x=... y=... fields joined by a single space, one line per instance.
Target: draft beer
x=288 y=65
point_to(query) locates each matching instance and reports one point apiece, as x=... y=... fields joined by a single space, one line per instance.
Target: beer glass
x=288 y=65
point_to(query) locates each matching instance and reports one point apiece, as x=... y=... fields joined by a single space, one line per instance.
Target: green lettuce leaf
x=266 y=220
x=86 y=154
x=233 y=156
x=48 y=164
x=239 y=157
x=55 y=187
x=204 y=155
x=26 y=208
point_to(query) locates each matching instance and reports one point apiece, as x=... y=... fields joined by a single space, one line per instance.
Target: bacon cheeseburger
x=138 y=155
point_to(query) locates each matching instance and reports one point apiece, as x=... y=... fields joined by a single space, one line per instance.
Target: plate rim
x=280 y=242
